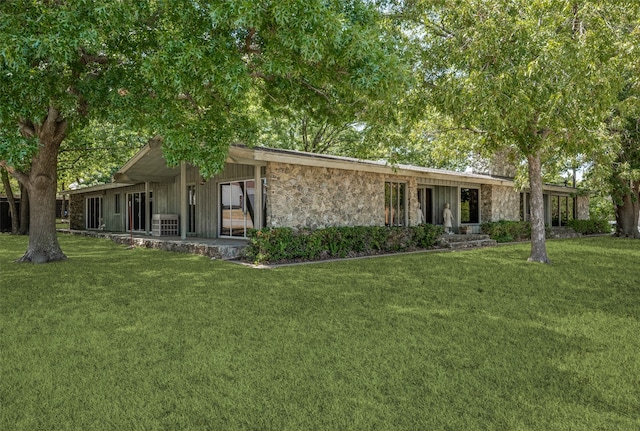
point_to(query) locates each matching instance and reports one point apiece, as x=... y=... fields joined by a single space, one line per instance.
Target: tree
x=96 y=152
x=616 y=167
x=532 y=78
x=13 y=208
x=184 y=69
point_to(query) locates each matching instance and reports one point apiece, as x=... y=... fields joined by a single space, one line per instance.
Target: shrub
x=507 y=231
x=590 y=227
x=285 y=244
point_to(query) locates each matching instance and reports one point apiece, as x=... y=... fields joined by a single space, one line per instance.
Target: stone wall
x=76 y=212
x=582 y=207
x=317 y=197
x=499 y=203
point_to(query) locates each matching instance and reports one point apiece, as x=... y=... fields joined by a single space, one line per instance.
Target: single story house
x=276 y=188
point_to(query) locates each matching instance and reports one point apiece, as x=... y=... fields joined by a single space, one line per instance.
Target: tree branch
x=24 y=179
x=316 y=90
x=27 y=128
x=87 y=58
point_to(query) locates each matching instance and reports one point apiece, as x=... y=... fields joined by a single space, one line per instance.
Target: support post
x=183 y=200
x=257 y=207
x=147 y=209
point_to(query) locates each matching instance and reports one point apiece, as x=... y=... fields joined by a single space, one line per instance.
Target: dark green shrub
x=590 y=227
x=425 y=235
x=285 y=244
x=507 y=231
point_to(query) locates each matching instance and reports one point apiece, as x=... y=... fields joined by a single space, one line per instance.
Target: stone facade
x=315 y=197
x=499 y=203
x=501 y=164
x=76 y=212
x=582 y=207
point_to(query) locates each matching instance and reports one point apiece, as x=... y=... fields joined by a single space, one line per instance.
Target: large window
x=469 y=206
x=237 y=207
x=137 y=210
x=394 y=204
x=191 y=222
x=94 y=212
x=525 y=206
x=425 y=198
x=562 y=210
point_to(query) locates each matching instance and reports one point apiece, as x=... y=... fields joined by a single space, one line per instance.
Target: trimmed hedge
x=507 y=231
x=590 y=227
x=286 y=244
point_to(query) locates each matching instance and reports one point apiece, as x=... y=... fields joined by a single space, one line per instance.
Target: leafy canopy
x=189 y=70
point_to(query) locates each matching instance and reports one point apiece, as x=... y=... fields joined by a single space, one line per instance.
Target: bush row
x=507 y=231
x=286 y=244
x=590 y=227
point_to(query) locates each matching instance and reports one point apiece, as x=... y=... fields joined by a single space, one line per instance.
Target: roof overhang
x=148 y=165
x=327 y=161
x=93 y=189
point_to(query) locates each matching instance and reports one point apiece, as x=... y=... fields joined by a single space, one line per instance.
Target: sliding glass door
x=137 y=211
x=237 y=208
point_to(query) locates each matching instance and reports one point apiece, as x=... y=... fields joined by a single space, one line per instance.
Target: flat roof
x=149 y=165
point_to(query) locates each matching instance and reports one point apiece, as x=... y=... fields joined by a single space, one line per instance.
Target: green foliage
x=601 y=206
x=591 y=226
x=533 y=78
x=285 y=244
x=507 y=231
x=190 y=70
x=94 y=153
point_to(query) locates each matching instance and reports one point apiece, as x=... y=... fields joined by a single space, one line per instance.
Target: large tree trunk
x=628 y=212
x=13 y=210
x=41 y=184
x=538 y=241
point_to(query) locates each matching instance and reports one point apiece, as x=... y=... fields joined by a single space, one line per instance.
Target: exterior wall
x=582 y=207
x=499 y=203
x=76 y=212
x=314 y=197
x=165 y=200
x=302 y=196
x=207 y=195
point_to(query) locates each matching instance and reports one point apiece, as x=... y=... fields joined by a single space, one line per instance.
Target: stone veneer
x=76 y=212
x=582 y=207
x=499 y=203
x=317 y=197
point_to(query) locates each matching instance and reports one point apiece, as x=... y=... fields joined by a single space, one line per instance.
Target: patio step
x=455 y=241
x=564 y=232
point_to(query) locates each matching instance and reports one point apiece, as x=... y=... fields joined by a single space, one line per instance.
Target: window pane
x=469 y=206
x=394 y=204
x=555 y=210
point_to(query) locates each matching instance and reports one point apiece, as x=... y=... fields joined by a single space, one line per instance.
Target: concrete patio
x=215 y=248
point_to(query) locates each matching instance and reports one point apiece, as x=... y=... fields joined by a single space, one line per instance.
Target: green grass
x=120 y=339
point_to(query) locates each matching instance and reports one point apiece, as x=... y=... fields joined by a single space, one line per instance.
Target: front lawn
x=119 y=339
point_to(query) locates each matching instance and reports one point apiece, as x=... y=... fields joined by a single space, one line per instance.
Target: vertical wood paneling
x=441 y=196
